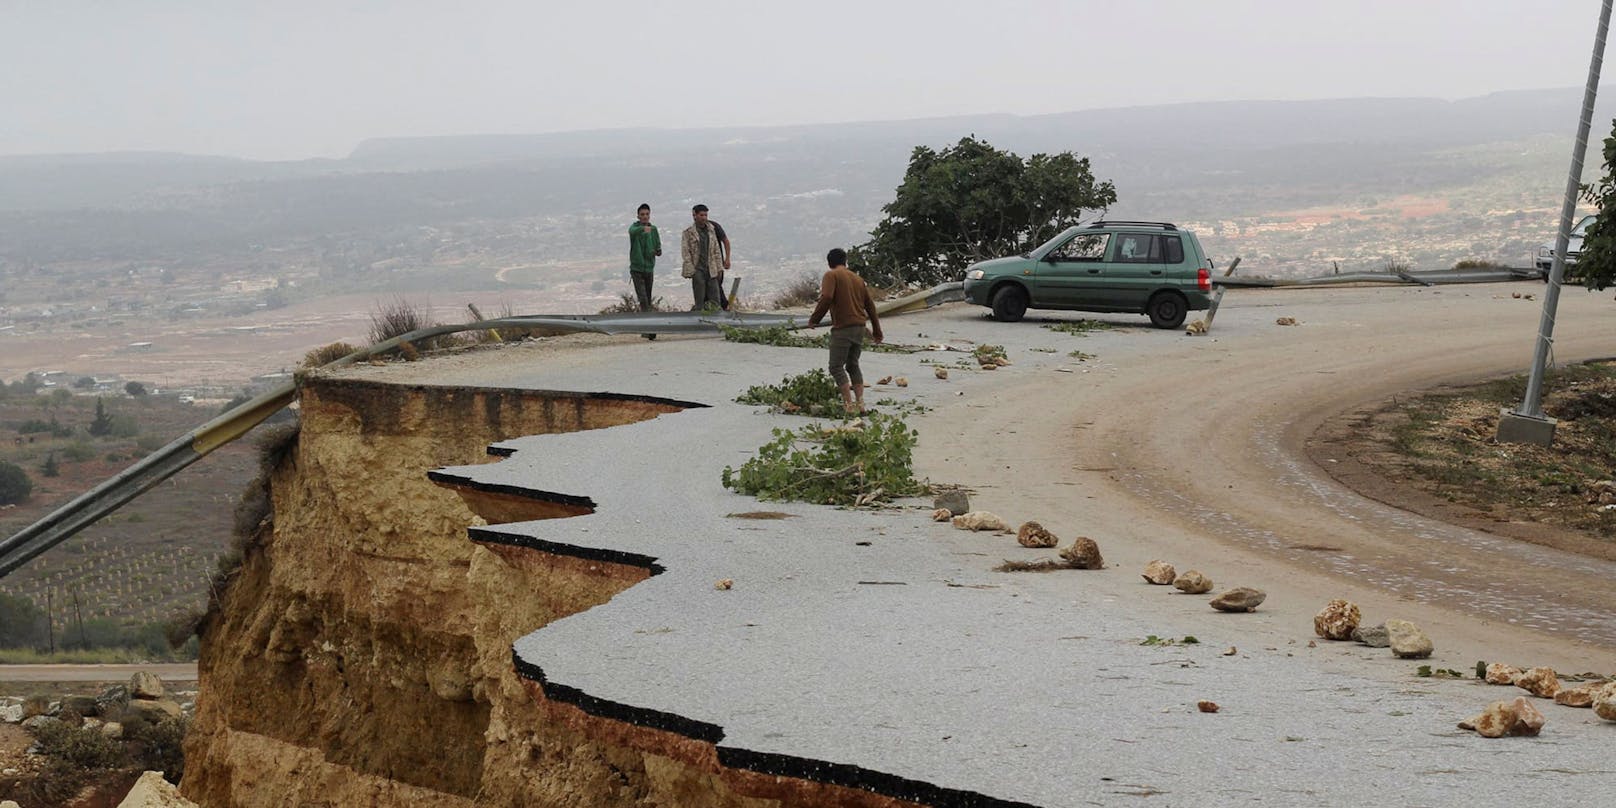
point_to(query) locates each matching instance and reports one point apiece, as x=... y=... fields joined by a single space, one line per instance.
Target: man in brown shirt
x=847 y=298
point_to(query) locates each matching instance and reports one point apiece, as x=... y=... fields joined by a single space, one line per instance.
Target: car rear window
x=1174 y=249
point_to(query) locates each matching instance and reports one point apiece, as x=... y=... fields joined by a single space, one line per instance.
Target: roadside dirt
x=1194 y=450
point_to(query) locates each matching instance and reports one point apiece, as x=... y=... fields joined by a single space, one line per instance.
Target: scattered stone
x=1193 y=582
x=1337 y=620
x=1231 y=651
x=152 y=791
x=11 y=713
x=1159 y=573
x=35 y=705
x=146 y=685
x=884 y=380
x=1502 y=718
x=1407 y=640
x=1580 y=696
x=1206 y=706
x=1084 y=554
x=1285 y=321
x=724 y=584
x=112 y=700
x=953 y=500
x=83 y=705
x=9 y=803
x=1605 y=702
x=1312 y=644
x=155 y=711
x=901 y=381
x=1002 y=362
x=1239 y=599
x=941 y=515
x=1372 y=636
x=33 y=724
x=1196 y=327
x=1500 y=674
x=1540 y=682
x=981 y=520
x=1032 y=534
x=942 y=373
x=989 y=366
x=112 y=729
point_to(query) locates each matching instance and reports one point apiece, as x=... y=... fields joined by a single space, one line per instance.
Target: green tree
x=102 y=424
x=84 y=382
x=135 y=389
x=970 y=202
x=22 y=624
x=1597 y=265
x=51 y=468
x=14 y=483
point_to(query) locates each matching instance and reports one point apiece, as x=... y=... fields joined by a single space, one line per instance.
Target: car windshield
x=1582 y=227
x=1052 y=243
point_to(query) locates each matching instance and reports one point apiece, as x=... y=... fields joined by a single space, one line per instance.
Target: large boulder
x=981 y=520
x=152 y=791
x=10 y=713
x=1407 y=640
x=1084 y=554
x=1159 y=573
x=156 y=711
x=1500 y=674
x=1540 y=682
x=1372 y=636
x=1193 y=582
x=1502 y=718
x=84 y=706
x=1239 y=599
x=1605 y=702
x=1337 y=620
x=112 y=700
x=146 y=685
x=1580 y=696
x=954 y=501
x=1032 y=534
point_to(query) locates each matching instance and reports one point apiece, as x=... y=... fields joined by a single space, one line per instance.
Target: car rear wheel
x=1167 y=310
x=1009 y=303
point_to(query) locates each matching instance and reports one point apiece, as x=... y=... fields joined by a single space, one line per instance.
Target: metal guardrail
x=1431 y=277
x=113 y=493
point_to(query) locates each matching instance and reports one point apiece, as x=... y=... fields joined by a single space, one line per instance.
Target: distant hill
x=790 y=189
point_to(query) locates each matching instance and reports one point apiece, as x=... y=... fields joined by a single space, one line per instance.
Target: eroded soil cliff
x=363 y=654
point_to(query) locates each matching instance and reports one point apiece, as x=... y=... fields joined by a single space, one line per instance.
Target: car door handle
x=1155 y=272
x=1094 y=272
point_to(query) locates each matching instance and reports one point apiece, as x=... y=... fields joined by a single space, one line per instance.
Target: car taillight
x=1203 y=279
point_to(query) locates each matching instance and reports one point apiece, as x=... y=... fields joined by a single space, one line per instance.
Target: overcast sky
x=279 y=79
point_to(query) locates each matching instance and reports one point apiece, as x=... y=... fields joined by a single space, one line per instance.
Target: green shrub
x=804 y=291
x=856 y=463
x=14 y=483
x=85 y=749
x=327 y=354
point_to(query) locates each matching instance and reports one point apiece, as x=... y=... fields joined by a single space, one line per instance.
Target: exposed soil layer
x=362 y=656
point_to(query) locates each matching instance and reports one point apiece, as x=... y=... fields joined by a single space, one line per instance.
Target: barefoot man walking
x=847 y=298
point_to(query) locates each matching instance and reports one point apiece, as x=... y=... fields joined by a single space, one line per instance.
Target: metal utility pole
x=1528 y=424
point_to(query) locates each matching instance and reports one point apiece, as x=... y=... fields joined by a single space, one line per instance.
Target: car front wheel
x=1009 y=303
x=1167 y=310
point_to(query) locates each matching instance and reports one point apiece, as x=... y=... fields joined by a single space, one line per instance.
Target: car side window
x=1136 y=248
x=1083 y=247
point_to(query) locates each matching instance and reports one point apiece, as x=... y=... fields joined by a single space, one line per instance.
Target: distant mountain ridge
x=1219 y=124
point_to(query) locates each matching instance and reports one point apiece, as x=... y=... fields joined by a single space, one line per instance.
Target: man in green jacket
x=644 y=245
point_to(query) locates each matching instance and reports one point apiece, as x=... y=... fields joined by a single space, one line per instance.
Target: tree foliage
x=102 y=425
x=1597 y=265
x=970 y=202
x=14 y=483
x=855 y=463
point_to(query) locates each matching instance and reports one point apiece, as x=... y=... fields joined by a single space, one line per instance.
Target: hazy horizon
x=301 y=80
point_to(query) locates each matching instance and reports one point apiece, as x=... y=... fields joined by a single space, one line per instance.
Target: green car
x=1150 y=268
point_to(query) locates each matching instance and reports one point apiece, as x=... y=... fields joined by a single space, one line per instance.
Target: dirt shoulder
x=1433 y=454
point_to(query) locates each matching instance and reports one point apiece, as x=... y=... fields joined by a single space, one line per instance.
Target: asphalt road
x=175 y=672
